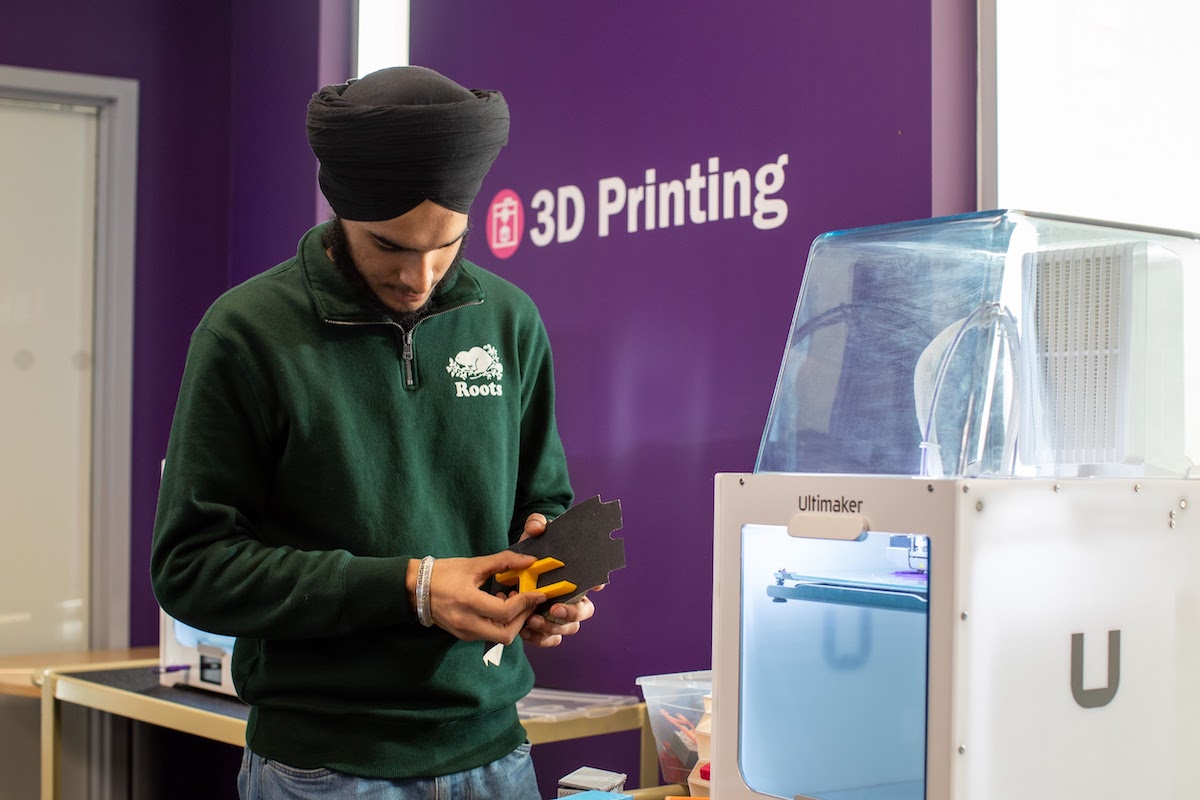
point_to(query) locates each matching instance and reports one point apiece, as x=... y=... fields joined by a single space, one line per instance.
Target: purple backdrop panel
x=668 y=169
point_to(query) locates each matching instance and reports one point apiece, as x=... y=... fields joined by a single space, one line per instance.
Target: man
x=361 y=432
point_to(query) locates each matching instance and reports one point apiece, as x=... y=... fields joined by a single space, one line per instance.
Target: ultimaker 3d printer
x=965 y=566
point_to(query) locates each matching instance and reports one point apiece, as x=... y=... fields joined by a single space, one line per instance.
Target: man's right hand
x=459 y=605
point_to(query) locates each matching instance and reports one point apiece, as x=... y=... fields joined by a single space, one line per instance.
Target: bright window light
x=382 y=35
x=1096 y=112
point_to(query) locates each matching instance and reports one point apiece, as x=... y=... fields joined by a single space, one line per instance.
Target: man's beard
x=335 y=242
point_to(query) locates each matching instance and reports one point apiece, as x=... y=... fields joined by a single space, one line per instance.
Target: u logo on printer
x=1095 y=698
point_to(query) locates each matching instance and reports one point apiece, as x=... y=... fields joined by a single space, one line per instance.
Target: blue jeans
x=507 y=778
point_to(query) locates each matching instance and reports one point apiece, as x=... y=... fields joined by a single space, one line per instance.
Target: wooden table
x=21 y=676
x=131 y=689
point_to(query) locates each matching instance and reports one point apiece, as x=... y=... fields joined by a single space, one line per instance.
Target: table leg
x=51 y=736
x=649 y=757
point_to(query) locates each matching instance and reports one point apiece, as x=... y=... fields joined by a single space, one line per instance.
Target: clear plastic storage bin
x=675 y=703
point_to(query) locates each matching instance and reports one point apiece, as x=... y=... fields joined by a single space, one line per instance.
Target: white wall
x=382 y=35
x=1096 y=111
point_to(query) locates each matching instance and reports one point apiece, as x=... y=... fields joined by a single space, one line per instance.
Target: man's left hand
x=563 y=619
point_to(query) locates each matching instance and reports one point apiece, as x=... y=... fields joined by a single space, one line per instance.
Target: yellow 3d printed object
x=526 y=580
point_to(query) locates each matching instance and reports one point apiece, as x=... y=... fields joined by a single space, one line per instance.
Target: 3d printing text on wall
x=560 y=215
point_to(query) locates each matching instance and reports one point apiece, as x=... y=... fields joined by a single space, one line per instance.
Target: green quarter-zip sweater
x=316 y=448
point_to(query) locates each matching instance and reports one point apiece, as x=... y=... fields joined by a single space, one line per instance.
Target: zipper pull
x=408 y=357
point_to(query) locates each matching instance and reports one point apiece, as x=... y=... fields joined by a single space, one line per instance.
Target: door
x=47 y=219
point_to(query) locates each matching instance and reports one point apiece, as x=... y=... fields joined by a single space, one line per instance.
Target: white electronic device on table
x=966 y=564
x=193 y=657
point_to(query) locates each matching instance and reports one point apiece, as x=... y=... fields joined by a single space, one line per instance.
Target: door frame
x=116 y=104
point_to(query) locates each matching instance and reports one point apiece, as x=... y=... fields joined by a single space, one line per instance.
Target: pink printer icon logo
x=505 y=223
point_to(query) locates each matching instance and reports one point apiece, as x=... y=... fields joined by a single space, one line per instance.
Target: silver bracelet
x=424 y=573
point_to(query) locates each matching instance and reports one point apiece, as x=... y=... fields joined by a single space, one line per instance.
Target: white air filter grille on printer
x=1076 y=295
x=1103 y=359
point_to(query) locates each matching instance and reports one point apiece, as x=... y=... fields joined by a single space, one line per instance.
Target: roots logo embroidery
x=472 y=368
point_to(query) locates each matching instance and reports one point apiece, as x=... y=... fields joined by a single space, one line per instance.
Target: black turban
x=400 y=136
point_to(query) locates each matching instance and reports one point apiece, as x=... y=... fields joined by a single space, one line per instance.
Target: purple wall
x=953 y=140
x=668 y=341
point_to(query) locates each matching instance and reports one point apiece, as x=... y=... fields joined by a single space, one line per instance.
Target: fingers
x=563 y=619
x=489 y=566
x=493 y=620
x=459 y=605
x=535 y=525
x=579 y=610
x=540 y=639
